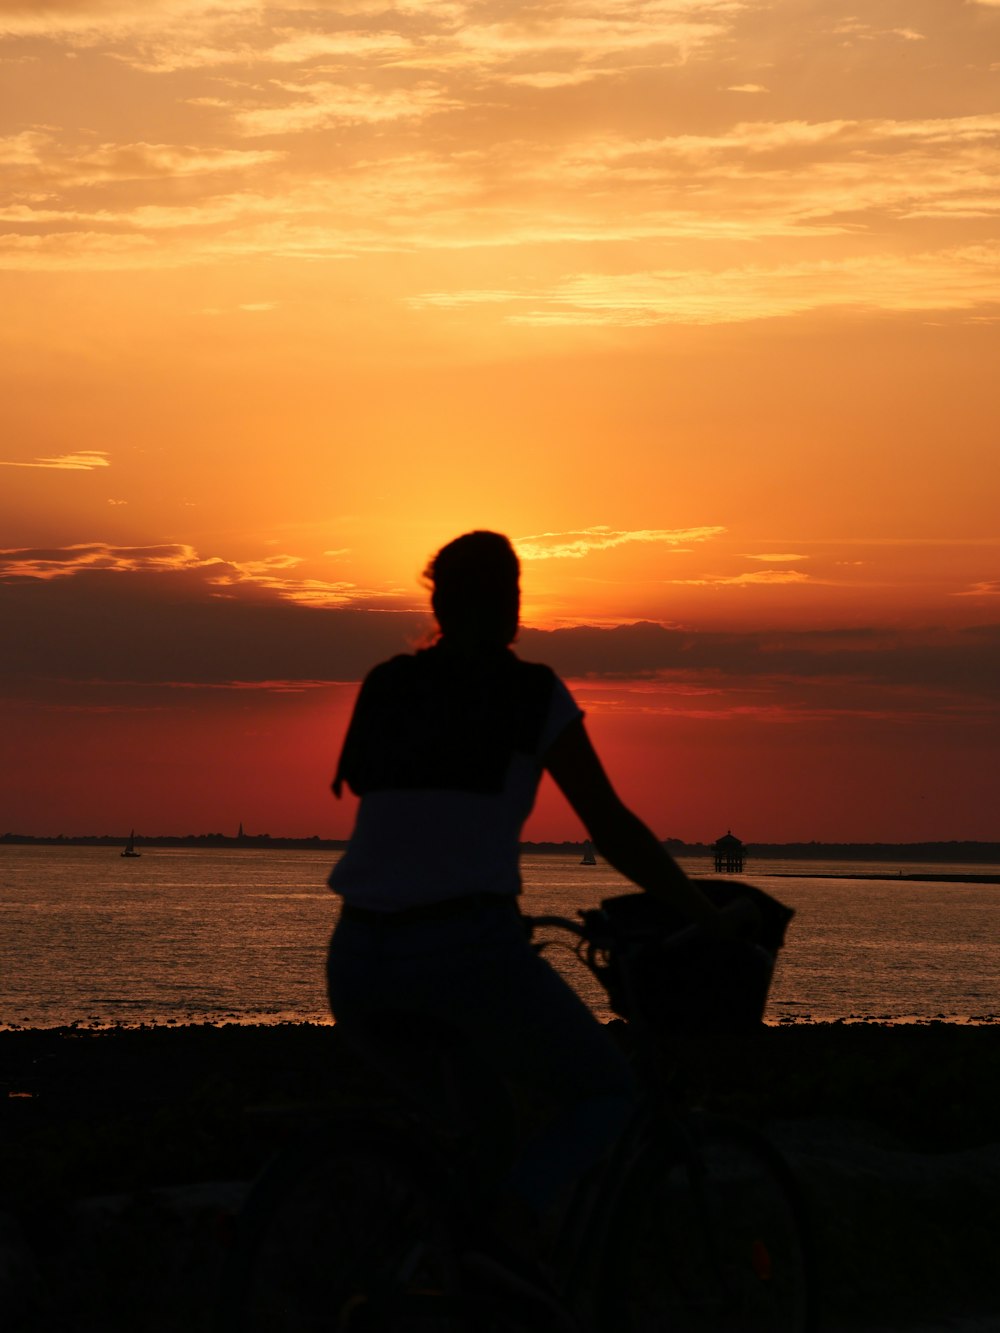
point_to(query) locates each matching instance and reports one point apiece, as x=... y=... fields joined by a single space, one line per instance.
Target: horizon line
x=321 y=841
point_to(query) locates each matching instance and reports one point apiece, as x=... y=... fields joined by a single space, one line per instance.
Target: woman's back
x=443 y=719
x=445 y=750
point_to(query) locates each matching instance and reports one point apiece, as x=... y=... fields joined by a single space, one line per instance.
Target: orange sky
x=697 y=300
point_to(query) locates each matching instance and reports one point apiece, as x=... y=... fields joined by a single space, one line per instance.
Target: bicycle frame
x=584 y=1232
x=588 y=1255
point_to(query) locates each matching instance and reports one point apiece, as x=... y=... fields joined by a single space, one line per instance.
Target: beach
x=126 y=1152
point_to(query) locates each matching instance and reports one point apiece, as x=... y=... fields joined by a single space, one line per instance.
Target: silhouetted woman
x=446 y=749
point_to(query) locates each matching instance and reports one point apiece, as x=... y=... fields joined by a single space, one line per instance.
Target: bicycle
x=693 y=1224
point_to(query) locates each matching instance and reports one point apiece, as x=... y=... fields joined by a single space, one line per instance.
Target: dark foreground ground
x=124 y=1153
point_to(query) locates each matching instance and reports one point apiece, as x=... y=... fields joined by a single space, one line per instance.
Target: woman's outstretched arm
x=620 y=836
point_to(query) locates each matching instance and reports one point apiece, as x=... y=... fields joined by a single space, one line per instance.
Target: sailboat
x=130 y=846
x=589 y=859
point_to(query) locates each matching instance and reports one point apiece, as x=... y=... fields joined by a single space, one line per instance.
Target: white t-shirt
x=425 y=830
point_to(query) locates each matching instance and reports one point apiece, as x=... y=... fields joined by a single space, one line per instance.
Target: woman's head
x=474 y=588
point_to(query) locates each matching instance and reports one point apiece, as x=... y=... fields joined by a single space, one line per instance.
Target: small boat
x=589 y=859
x=130 y=846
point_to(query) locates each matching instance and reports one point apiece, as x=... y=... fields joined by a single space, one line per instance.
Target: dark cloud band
x=172 y=627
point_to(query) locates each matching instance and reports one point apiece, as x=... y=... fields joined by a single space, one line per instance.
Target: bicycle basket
x=686 y=983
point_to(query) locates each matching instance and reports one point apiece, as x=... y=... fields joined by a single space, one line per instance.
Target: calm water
x=193 y=935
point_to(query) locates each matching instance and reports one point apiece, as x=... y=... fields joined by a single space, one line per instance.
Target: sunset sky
x=697 y=300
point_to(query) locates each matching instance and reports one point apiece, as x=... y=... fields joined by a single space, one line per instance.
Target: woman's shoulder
x=537 y=672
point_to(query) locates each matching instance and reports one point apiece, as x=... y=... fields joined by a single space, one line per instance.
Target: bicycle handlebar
x=597 y=929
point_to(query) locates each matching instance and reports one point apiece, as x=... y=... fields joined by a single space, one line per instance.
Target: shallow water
x=226 y=934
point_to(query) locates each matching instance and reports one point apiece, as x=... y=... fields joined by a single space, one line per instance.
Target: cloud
x=479 y=181
x=598 y=32
x=163 y=618
x=53 y=161
x=985 y=588
x=949 y=662
x=682 y=205
x=89 y=250
x=91 y=622
x=850 y=141
x=65 y=561
x=185 y=34
x=775 y=559
x=957 y=279
x=262 y=47
x=770 y=577
x=148 y=161
x=577 y=544
x=273 y=574
x=86 y=460
x=213 y=577
x=321 y=105
x=869 y=32
x=91 y=21
x=557 y=78
x=23 y=149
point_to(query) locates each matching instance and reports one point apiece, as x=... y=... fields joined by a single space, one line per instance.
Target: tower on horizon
x=729 y=853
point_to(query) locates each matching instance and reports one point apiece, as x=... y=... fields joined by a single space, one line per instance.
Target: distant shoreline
x=954 y=852
x=898 y=878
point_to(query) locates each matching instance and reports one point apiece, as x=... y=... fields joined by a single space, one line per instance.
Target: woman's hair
x=474 y=588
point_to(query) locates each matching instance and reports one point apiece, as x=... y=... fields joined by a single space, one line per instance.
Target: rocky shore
x=124 y=1154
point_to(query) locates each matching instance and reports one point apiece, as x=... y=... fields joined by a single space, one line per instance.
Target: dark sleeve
x=351 y=764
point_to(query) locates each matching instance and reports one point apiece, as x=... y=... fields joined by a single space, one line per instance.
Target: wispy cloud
x=959 y=279
x=273 y=576
x=273 y=573
x=598 y=32
x=54 y=161
x=770 y=577
x=114 y=20
x=774 y=559
x=65 y=561
x=248 y=686
x=575 y=545
x=318 y=106
x=870 y=32
x=86 y=460
x=253 y=47
x=985 y=588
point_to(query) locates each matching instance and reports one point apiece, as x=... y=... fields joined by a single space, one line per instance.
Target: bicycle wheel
x=710 y=1239
x=344 y=1234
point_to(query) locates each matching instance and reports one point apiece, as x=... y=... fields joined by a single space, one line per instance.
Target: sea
x=238 y=935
